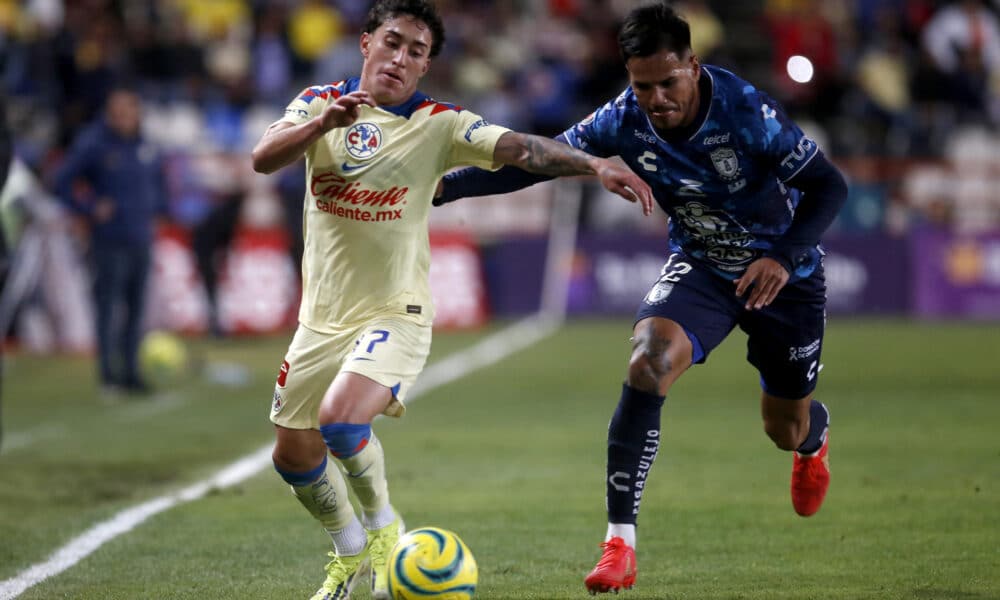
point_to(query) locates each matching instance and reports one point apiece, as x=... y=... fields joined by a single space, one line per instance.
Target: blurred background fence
x=904 y=95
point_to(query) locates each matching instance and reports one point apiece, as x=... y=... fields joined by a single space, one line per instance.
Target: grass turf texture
x=511 y=458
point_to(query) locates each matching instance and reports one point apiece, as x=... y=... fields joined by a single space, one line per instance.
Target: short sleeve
x=474 y=141
x=309 y=103
x=597 y=134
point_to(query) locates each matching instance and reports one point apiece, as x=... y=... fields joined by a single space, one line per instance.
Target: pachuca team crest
x=726 y=163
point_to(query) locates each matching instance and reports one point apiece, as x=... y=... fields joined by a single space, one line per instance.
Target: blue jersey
x=723 y=186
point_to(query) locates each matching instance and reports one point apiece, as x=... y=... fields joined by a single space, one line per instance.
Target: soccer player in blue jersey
x=748 y=196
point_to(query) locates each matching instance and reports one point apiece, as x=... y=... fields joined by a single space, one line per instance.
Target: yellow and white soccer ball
x=163 y=357
x=432 y=564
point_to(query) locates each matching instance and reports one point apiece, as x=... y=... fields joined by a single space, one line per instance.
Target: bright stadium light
x=800 y=69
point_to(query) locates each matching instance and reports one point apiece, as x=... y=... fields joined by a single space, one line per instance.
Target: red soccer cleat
x=615 y=570
x=810 y=479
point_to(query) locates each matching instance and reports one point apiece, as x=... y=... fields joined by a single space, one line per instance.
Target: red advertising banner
x=259 y=286
x=457 y=282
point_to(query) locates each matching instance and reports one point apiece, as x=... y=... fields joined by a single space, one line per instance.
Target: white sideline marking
x=487 y=352
x=20 y=439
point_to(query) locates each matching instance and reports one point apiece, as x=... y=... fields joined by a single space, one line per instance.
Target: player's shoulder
x=730 y=89
x=737 y=102
x=432 y=108
x=325 y=91
x=615 y=111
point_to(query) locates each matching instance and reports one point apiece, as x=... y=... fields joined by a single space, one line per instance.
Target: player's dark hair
x=424 y=10
x=651 y=28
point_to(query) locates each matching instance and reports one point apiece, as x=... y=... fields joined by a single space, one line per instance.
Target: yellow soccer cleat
x=341 y=576
x=380 y=545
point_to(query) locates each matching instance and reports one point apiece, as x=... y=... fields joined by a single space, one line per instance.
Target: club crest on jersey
x=363 y=140
x=726 y=163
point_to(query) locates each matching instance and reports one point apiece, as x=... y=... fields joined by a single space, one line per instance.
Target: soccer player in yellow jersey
x=375 y=150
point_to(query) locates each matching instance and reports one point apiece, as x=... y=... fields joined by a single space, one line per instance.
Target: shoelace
x=610 y=554
x=336 y=564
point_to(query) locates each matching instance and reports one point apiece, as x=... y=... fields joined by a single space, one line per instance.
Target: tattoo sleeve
x=541 y=155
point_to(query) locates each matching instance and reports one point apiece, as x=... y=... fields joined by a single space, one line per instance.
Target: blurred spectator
x=313 y=27
x=211 y=239
x=883 y=77
x=271 y=57
x=707 y=31
x=112 y=180
x=90 y=56
x=799 y=28
x=962 y=42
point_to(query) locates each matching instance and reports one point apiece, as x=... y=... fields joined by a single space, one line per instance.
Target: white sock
x=378 y=519
x=625 y=531
x=350 y=540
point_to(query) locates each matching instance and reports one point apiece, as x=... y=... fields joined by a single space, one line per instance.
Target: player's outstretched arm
x=284 y=142
x=548 y=157
x=473 y=181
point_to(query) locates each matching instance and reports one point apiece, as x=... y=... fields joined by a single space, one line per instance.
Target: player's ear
x=365 y=44
x=695 y=66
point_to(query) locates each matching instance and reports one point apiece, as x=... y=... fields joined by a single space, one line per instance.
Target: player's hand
x=344 y=111
x=767 y=277
x=622 y=181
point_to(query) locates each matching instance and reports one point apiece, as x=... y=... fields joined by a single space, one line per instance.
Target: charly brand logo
x=363 y=140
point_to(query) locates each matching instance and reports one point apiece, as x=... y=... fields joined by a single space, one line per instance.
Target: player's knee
x=293 y=459
x=786 y=435
x=298 y=475
x=346 y=439
x=650 y=363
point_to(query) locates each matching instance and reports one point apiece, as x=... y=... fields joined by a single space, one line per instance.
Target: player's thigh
x=392 y=352
x=703 y=303
x=312 y=361
x=785 y=340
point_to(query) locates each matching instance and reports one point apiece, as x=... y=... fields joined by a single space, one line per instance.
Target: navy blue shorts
x=784 y=339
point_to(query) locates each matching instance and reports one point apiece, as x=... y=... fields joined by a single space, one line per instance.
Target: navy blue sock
x=819 y=420
x=633 y=441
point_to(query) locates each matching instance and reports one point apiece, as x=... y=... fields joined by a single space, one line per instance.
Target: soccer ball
x=432 y=564
x=162 y=357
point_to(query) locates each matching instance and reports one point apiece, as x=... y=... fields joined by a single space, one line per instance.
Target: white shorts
x=389 y=351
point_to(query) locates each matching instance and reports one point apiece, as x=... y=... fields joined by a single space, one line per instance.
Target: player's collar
x=404 y=110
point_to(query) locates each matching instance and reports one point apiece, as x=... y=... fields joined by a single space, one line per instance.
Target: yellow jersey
x=369 y=188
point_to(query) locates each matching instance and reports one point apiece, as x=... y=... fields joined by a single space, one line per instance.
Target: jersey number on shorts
x=377 y=336
x=670 y=275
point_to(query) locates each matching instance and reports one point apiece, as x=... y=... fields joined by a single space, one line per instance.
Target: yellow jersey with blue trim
x=369 y=188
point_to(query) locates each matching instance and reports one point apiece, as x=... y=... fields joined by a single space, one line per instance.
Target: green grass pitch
x=512 y=458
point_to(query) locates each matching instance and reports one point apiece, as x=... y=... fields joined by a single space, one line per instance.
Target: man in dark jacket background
x=112 y=181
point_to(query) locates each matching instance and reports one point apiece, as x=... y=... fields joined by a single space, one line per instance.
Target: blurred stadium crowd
x=892 y=79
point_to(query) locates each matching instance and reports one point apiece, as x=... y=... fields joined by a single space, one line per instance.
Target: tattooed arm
x=544 y=156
